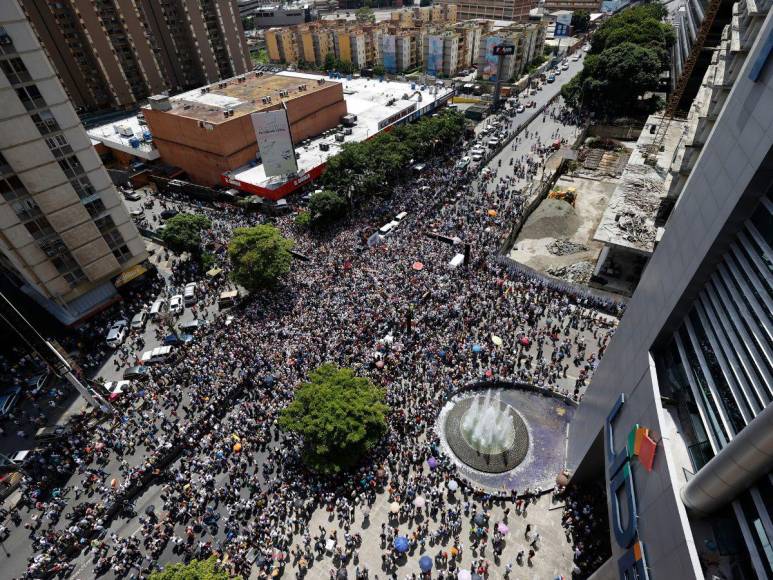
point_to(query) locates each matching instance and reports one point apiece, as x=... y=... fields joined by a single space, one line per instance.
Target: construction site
x=557 y=237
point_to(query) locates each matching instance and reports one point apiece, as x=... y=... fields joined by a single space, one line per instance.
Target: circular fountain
x=485 y=433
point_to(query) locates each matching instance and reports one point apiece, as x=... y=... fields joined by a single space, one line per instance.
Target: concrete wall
x=733 y=173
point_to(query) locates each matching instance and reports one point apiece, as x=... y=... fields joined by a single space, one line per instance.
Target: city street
x=144 y=427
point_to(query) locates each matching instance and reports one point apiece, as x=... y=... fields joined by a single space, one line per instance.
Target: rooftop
x=129 y=135
x=629 y=219
x=243 y=95
x=369 y=100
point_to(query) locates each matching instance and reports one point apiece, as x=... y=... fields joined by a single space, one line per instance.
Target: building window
x=64 y=262
x=11 y=188
x=39 y=227
x=30 y=97
x=82 y=186
x=45 y=122
x=26 y=209
x=94 y=207
x=122 y=254
x=15 y=70
x=58 y=145
x=104 y=223
x=75 y=277
x=4 y=166
x=113 y=239
x=6 y=43
x=71 y=166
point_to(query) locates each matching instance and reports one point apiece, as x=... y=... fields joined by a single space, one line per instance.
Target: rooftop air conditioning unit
x=125 y=131
x=324 y=147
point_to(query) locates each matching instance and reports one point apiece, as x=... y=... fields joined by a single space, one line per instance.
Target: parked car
x=520 y=109
x=477 y=157
x=139 y=320
x=551 y=78
x=168 y=213
x=158 y=355
x=564 y=66
x=132 y=196
x=192 y=325
x=8 y=398
x=463 y=163
x=228 y=298
x=176 y=304
x=493 y=142
x=189 y=294
x=45 y=434
x=117 y=333
x=137 y=212
x=113 y=390
x=158 y=307
x=174 y=339
x=138 y=372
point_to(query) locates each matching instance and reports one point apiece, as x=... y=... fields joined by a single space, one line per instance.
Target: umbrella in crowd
x=452 y=485
x=476 y=348
x=432 y=462
x=464 y=575
x=419 y=501
x=503 y=529
x=394 y=507
x=401 y=544
x=480 y=519
x=496 y=340
x=425 y=563
x=418 y=266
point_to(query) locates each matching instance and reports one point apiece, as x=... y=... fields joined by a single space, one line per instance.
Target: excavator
x=569 y=195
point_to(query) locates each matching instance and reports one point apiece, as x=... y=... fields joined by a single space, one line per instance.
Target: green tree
x=182 y=233
x=379 y=70
x=339 y=416
x=581 y=21
x=327 y=206
x=365 y=14
x=196 y=570
x=259 y=256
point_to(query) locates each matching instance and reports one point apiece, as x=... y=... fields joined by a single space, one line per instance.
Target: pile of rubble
x=636 y=228
x=577 y=273
x=564 y=247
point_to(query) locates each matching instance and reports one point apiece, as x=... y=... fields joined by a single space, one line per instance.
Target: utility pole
x=46 y=351
x=501 y=51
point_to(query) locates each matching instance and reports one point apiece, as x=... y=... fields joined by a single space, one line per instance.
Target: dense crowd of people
x=202 y=428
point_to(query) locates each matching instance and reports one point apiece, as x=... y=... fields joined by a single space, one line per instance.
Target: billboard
x=389 y=52
x=563 y=22
x=272 y=130
x=434 y=55
x=491 y=61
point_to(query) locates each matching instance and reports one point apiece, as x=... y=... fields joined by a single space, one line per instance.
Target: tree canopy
x=372 y=167
x=326 y=206
x=580 y=20
x=339 y=416
x=365 y=14
x=259 y=256
x=627 y=56
x=182 y=233
x=196 y=570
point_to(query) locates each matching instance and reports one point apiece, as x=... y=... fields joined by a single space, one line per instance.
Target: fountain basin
x=502 y=439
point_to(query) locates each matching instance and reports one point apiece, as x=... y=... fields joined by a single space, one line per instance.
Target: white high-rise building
x=64 y=232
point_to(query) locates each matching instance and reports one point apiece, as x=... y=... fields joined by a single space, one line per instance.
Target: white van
x=158 y=307
x=158 y=355
x=189 y=294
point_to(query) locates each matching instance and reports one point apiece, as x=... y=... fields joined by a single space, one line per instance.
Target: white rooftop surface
x=367 y=99
x=641 y=190
x=109 y=135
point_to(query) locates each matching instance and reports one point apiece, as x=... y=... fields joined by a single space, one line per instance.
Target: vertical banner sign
x=491 y=62
x=275 y=143
x=434 y=55
x=389 y=52
x=563 y=23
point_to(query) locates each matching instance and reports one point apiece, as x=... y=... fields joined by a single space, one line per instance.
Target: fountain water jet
x=486 y=426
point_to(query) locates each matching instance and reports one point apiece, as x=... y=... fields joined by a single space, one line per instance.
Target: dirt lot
x=556 y=225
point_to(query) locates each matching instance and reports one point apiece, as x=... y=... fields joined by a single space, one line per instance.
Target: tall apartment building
x=116 y=53
x=572 y=5
x=64 y=232
x=515 y=10
x=529 y=42
x=676 y=423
